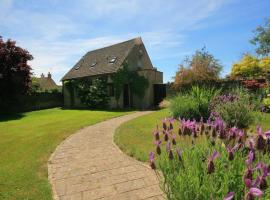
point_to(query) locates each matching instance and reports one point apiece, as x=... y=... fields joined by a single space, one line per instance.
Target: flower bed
x=229 y=164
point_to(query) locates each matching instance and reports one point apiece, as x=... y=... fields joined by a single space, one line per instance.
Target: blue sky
x=59 y=32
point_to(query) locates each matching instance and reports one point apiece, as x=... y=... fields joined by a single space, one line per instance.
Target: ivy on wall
x=138 y=84
x=70 y=85
x=92 y=93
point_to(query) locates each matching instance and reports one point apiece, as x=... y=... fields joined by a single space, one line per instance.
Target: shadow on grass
x=10 y=117
x=16 y=116
x=108 y=109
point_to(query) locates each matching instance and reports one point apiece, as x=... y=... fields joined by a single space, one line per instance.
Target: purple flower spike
x=158 y=149
x=264 y=171
x=251 y=144
x=180 y=131
x=229 y=196
x=250 y=158
x=248 y=173
x=166 y=137
x=259 y=130
x=248 y=182
x=233 y=132
x=164 y=124
x=179 y=154
x=168 y=146
x=260 y=142
x=241 y=133
x=170 y=155
x=231 y=151
x=156 y=134
x=240 y=136
x=211 y=166
x=215 y=155
x=267 y=134
x=152 y=156
x=152 y=160
x=171 y=120
x=173 y=139
x=255 y=192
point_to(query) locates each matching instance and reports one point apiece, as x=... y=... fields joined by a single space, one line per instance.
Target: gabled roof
x=96 y=62
x=46 y=83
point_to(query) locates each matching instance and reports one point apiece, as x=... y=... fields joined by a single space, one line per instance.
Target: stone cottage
x=47 y=83
x=107 y=61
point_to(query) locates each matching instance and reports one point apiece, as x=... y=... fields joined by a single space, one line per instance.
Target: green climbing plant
x=70 y=85
x=138 y=84
x=92 y=92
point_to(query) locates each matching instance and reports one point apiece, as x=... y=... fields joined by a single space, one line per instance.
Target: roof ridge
x=127 y=41
x=121 y=50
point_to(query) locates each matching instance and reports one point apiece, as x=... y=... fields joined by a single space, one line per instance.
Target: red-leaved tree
x=14 y=71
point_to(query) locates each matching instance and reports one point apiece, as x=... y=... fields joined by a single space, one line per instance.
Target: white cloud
x=58 y=38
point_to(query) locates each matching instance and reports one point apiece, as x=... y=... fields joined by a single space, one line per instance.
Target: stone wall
x=154 y=77
x=35 y=101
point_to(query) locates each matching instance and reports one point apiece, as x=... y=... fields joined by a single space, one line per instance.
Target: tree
x=35 y=86
x=201 y=67
x=251 y=67
x=15 y=73
x=262 y=39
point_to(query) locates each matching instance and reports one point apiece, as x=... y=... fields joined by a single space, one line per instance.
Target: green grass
x=266 y=122
x=136 y=139
x=26 y=143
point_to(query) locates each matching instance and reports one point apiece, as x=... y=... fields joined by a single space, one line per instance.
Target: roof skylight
x=113 y=59
x=93 y=64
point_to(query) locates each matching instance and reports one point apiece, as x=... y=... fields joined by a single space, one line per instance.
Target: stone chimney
x=49 y=75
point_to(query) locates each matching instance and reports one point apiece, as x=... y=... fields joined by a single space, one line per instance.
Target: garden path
x=88 y=165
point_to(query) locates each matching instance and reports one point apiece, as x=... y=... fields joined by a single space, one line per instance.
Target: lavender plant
x=235 y=110
x=228 y=164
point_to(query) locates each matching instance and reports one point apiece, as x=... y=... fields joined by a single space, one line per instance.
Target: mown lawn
x=26 y=143
x=136 y=139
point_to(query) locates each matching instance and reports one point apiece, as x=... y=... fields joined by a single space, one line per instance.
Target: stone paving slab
x=88 y=165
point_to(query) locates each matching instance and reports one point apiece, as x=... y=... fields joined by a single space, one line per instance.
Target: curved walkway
x=88 y=165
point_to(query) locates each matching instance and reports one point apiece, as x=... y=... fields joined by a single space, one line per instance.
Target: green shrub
x=185 y=106
x=238 y=111
x=194 y=103
x=93 y=93
x=203 y=97
x=266 y=102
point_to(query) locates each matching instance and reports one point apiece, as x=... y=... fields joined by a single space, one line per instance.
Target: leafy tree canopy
x=14 y=71
x=202 y=66
x=262 y=39
x=251 y=67
x=35 y=86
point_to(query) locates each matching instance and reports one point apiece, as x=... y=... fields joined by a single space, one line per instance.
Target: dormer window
x=93 y=64
x=140 y=52
x=77 y=67
x=113 y=59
